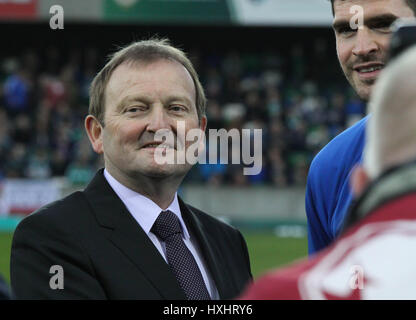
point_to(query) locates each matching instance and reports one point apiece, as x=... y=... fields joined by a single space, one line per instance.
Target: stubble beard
x=362 y=89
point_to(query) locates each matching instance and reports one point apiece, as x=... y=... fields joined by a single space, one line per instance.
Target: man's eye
x=177 y=108
x=135 y=109
x=383 y=26
x=345 y=31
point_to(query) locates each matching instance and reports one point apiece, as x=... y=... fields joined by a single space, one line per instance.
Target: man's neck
x=160 y=190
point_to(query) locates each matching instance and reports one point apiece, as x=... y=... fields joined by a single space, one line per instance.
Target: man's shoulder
x=345 y=148
x=63 y=214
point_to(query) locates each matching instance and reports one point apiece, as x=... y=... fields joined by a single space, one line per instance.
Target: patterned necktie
x=182 y=263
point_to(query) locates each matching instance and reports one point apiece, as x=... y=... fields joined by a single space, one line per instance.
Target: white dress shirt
x=145 y=211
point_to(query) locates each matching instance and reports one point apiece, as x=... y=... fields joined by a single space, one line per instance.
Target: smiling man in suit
x=128 y=235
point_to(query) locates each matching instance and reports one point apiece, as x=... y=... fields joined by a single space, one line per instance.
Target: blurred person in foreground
x=128 y=235
x=374 y=257
x=362 y=53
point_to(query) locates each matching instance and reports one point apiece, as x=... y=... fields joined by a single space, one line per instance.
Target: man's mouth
x=368 y=71
x=156 y=144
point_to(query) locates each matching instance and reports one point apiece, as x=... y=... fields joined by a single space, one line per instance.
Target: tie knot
x=166 y=225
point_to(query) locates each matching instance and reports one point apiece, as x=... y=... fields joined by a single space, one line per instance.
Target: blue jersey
x=328 y=192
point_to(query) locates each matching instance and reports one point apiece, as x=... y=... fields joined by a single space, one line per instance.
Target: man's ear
x=95 y=132
x=203 y=123
x=359 y=180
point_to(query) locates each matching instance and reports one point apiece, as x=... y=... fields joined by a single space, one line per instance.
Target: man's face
x=362 y=52
x=140 y=100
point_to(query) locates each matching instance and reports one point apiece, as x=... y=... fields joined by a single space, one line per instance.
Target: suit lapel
x=209 y=249
x=129 y=237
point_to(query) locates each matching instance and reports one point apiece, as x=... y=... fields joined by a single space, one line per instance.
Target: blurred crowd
x=293 y=97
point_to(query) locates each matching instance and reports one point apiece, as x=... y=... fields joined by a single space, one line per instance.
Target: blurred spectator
x=277 y=167
x=261 y=177
x=16 y=162
x=59 y=163
x=38 y=165
x=215 y=116
x=273 y=104
x=80 y=172
x=336 y=114
x=5 y=137
x=22 y=129
x=355 y=110
x=213 y=173
x=16 y=92
x=54 y=90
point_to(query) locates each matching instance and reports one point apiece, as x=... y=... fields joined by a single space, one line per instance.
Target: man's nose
x=158 y=119
x=364 y=44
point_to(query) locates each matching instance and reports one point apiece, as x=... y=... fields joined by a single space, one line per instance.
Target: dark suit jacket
x=105 y=254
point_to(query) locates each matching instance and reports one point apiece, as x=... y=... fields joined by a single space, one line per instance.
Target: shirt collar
x=144 y=210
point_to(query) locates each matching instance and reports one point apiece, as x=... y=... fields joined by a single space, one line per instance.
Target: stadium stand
x=299 y=105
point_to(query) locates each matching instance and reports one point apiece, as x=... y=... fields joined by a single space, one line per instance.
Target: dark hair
x=410 y=3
